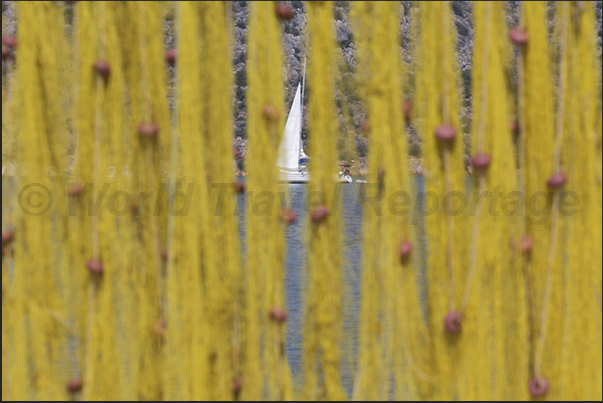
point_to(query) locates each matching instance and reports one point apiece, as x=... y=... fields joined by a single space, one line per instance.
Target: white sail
x=289 y=149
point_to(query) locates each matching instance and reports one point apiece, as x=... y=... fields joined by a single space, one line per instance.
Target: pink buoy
x=445 y=133
x=539 y=386
x=148 y=129
x=366 y=126
x=102 y=68
x=7 y=237
x=452 y=322
x=9 y=41
x=5 y=53
x=170 y=57
x=75 y=385
x=239 y=186
x=320 y=214
x=526 y=243
x=405 y=249
x=94 y=266
x=270 y=112
x=557 y=180
x=480 y=161
x=288 y=215
x=277 y=314
x=75 y=190
x=519 y=36
x=237 y=385
x=284 y=12
x=407 y=109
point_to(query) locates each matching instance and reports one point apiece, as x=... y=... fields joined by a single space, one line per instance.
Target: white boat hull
x=294 y=177
x=345 y=179
x=304 y=177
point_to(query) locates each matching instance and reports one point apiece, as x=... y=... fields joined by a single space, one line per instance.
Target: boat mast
x=301 y=142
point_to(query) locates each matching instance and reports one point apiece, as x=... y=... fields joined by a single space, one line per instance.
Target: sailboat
x=292 y=160
x=291 y=154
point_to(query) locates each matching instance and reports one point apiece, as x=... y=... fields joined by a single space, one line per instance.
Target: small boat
x=292 y=161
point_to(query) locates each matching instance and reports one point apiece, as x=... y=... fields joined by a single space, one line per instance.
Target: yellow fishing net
x=265 y=358
x=130 y=270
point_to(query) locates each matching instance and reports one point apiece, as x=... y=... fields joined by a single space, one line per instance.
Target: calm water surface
x=352 y=209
